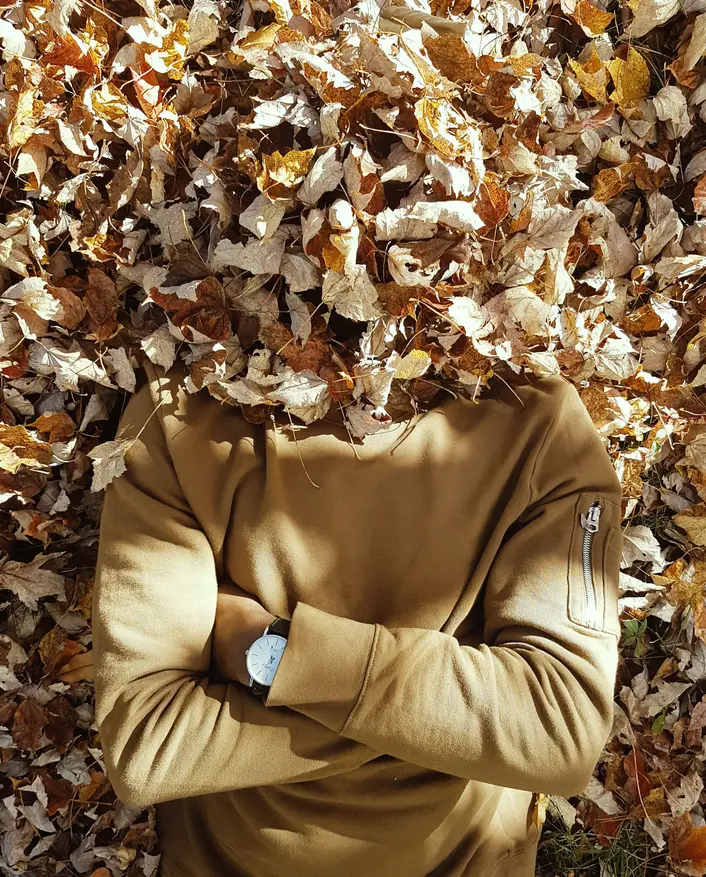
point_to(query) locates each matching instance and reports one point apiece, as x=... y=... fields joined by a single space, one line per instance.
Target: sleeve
x=166 y=730
x=531 y=707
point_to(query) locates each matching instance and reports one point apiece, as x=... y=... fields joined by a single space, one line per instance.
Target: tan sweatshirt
x=453 y=646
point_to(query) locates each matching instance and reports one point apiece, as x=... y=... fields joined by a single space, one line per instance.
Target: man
x=444 y=599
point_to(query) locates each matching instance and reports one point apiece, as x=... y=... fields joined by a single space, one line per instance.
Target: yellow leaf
x=611 y=181
x=26 y=118
x=631 y=79
x=108 y=102
x=310 y=10
x=449 y=132
x=284 y=172
x=592 y=19
x=17 y=447
x=528 y=64
x=539 y=808
x=414 y=365
x=174 y=49
x=693 y=520
x=592 y=77
x=264 y=38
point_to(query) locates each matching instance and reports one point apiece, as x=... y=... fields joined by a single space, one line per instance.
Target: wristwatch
x=264 y=655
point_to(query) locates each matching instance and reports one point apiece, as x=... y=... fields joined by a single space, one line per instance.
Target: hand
x=240 y=620
x=80 y=667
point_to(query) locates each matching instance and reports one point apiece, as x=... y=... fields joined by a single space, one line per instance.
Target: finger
x=82 y=659
x=82 y=663
x=76 y=675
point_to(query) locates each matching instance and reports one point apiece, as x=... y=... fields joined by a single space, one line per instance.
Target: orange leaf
x=592 y=19
x=700 y=196
x=57 y=423
x=493 y=203
x=687 y=843
x=609 y=183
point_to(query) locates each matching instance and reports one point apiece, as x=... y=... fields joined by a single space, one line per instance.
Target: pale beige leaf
x=414 y=365
x=30 y=582
x=109 y=462
x=649 y=14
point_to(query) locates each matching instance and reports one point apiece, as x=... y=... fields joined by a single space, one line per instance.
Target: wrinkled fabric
x=453 y=645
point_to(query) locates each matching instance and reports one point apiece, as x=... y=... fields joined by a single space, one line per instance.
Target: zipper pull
x=590 y=522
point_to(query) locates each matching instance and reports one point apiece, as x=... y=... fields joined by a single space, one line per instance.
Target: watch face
x=263 y=657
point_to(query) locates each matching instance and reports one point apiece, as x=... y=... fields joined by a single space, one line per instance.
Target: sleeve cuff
x=324 y=666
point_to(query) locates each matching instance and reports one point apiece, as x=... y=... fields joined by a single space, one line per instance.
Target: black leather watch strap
x=280 y=627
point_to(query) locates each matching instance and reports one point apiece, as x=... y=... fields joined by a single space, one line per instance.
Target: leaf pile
x=301 y=205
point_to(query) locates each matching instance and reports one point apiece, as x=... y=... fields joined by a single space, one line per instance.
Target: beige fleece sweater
x=453 y=646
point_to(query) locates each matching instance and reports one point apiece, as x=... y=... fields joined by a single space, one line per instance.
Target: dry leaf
x=593 y=20
x=109 y=462
x=631 y=78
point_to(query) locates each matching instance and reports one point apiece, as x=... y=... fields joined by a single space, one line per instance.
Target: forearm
x=168 y=730
x=531 y=707
x=179 y=735
x=529 y=716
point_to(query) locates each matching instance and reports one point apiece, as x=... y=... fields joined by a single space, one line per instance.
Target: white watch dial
x=263 y=657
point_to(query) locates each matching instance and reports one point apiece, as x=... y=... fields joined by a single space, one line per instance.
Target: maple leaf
x=631 y=78
x=109 y=462
x=693 y=520
x=30 y=582
x=687 y=845
x=58 y=424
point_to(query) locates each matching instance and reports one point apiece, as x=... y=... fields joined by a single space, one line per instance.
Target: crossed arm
x=531 y=709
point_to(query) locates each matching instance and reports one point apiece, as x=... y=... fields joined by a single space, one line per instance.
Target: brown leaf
x=95 y=789
x=58 y=424
x=102 y=302
x=61 y=722
x=610 y=182
x=642 y=320
x=527 y=132
x=28 y=724
x=451 y=57
x=493 y=202
x=497 y=95
x=74 y=309
x=636 y=769
x=59 y=792
x=400 y=300
x=207 y=315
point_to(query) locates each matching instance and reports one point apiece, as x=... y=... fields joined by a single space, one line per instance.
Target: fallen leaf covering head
x=347 y=204
x=302 y=204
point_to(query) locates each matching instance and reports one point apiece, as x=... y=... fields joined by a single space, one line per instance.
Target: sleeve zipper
x=590 y=523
